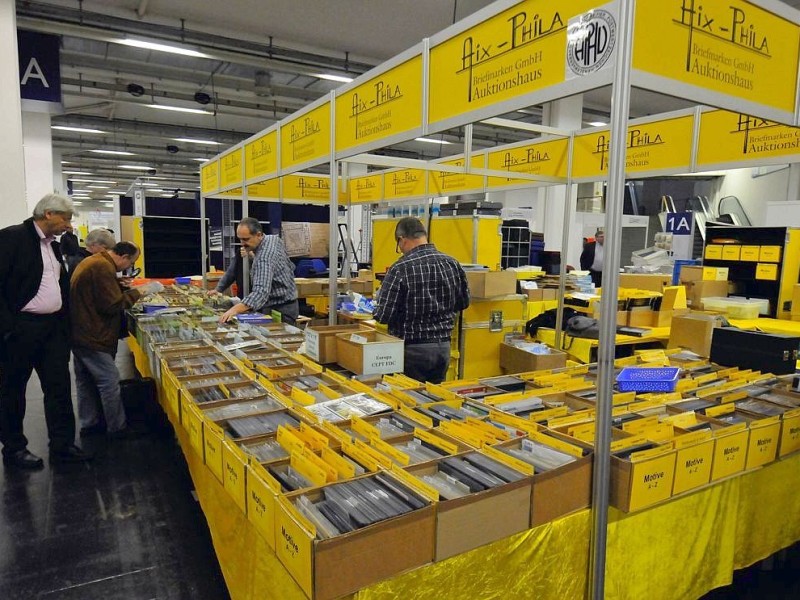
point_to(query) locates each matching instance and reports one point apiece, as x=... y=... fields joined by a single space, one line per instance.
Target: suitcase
x=141 y=404
x=765 y=352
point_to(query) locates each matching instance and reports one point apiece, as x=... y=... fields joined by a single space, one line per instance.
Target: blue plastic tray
x=648 y=379
x=183 y=280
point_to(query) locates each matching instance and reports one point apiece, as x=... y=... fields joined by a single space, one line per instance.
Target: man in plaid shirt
x=419 y=299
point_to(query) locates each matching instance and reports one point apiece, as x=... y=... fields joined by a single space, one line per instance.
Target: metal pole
x=203 y=246
x=562 y=279
x=333 y=243
x=620 y=104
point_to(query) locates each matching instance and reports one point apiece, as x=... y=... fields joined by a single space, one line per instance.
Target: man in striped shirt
x=419 y=299
x=272 y=275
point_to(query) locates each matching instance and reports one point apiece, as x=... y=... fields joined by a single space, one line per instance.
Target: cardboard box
x=480 y=518
x=697 y=290
x=321 y=341
x=640 y=318
x=731 y=252
x=643 y=480
x=750 y=253
x=693 y=460
x=770 y=254
x=308 y=287
x=331 y=568
x=693 y=331
x=489 y=284
x=366 y=275
x=516 y=360
x=713 y=252
x=369 y=352
x=361 y=286
x=639 y=281
x=715 y=273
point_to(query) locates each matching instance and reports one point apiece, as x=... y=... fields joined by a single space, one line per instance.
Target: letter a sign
x=39 y=68
x=681 y=226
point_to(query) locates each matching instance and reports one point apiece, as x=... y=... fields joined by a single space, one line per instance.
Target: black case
x=765 y=352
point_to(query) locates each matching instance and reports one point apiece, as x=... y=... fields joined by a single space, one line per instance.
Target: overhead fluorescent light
x=92 y=181
x=75 y=129
x=160 y=47
x=114 y=196
x=76 y=173
x=115 y=152
x=432 y=141
x=197 y=141
x=147 y=184
x=67 y=162
x=331 y=77
x=135 y=167
x=99 y=187
x=200 y=159
x=195 y=111
x=598 y=123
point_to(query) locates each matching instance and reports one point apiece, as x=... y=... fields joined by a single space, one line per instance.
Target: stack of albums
x=469 y=473
x=245 y=427
x=344 y=507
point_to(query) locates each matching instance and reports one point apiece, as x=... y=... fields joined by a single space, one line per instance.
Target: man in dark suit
x=34 y=333
x=592 y=257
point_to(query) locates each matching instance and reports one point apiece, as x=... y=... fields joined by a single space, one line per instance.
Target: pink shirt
x=48 y=299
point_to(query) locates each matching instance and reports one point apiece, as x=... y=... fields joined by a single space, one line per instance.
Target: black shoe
x=96 y=429
x=23 y=459
x=70 y=454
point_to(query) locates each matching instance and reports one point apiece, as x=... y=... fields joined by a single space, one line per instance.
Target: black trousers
x=39 y=342
x=289 y=311
x=427 y=361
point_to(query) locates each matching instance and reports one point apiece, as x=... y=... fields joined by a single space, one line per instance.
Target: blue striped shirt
x=272 y=276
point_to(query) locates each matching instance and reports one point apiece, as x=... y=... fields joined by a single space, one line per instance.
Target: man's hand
x=214 y=293
x=233 y=311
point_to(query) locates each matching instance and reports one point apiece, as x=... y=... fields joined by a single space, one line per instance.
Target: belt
x=38 y=317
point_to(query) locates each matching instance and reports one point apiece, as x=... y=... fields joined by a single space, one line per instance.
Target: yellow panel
x=770 y=254
x=480 y=311
x=366 y=189
x=789 y=270
x=729 y=137
x=548 y=158
x=209 y=178
x=455 y=236
x=660 y=145
x=267 y=189
x=407 y=183
x=441 y=183
x=515 y=52
x=306 y=187
x=383 y=244
x=727 y=47
x=261 y=155
x=385 y=105
x=713 y=252
x=230 y=172
x=481 y=357
x=731 y=252
x=306 y=138
x=750 y=253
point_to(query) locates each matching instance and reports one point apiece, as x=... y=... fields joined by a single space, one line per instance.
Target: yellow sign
x=656 y=146
x=366 y=189
x=261 y=156
x=210 y=177
x=307 y=138
x=727 y=137
x=516 y=52
x=547 y=158
x=443 y=183
x=311 y=188
x=408 y=183
x=385 y=105
x=230 y=168
x=265 y=189
x=732 y=47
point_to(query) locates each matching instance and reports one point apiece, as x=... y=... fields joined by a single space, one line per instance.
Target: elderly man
x=592 y=257
x=419 y=299
x=272 y=275
x=34 y=333
x=97 y=302
x=96 y=241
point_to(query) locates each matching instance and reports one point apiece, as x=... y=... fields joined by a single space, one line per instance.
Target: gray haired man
x=34 y=333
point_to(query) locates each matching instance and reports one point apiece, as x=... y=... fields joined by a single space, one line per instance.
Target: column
x=13 y=208
x=38 y=152
x=566 y=114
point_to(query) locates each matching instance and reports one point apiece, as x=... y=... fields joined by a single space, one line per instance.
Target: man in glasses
x=419 y=299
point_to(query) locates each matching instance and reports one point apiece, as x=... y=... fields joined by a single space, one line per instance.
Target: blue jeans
x=427 y=361
x=97 y=382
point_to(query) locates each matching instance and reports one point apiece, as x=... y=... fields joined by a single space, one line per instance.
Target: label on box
x=730 y=452
x=294 y=544
x=731 y=252
x=212 y=441
x=763 y=442
x=383 y=358
x=713 y=251
x=196 y=429
x=750 y=253
x=233 y=479
x=767 y=272
x=770 y=254
x=693 y=465
x=790 y=437
x=651 y=479
x=261 y=505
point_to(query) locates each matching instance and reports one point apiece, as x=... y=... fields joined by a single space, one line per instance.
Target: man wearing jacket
x=34 y=333
x=97 y=301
